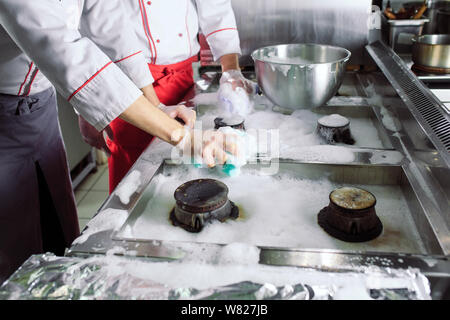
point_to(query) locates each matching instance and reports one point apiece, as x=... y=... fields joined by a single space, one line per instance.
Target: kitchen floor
x=91 y=193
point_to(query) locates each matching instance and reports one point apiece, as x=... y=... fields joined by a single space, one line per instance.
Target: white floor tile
x=92 y=178
x=91 y=203
x=79 y=195
x=102 y=183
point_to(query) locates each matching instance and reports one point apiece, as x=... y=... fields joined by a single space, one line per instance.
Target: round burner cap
x=201 y=195
x=352 y=198
x=235 y=121
x=334 y=121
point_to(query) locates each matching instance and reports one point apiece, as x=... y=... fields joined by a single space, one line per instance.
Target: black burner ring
x=344 y=236
x=199 y=220
x=350 y=215
x=201 y=195
x=335 y=134
x=201 y=201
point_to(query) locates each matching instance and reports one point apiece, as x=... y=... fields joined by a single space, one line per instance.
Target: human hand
x=208 y=147
x=237 y=80
x=93 y=137
x=235 y=92
x=180 y=111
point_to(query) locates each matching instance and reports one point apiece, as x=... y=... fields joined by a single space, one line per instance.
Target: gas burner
x=202 y=201
x=334 y=129
x=350 y=215
x=424 y=70
x=233 y=121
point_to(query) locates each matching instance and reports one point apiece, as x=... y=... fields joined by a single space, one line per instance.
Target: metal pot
x=299 y=76
x=443 y=21
x=432 y=50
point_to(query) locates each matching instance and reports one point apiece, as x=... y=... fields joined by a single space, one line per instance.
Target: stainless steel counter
x=424 y=163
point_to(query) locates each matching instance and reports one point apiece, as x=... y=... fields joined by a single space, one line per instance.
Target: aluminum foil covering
x=46 y=276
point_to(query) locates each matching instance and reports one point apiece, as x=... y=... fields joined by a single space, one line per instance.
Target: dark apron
x=37 y=205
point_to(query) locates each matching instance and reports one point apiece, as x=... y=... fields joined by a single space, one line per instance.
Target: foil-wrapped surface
x=46 y=276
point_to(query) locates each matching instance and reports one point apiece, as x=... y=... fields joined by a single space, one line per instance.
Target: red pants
x=172 y=83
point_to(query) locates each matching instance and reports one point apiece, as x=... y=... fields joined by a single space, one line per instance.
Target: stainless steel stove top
x=411 y=151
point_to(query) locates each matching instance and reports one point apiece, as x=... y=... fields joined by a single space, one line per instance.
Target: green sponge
x=230 y=168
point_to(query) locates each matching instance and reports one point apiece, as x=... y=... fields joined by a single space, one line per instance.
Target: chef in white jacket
x=167 y=32
x=100 y=72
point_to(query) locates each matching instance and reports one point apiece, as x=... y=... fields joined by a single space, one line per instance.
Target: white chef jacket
x=85 y=48
x=167 y=29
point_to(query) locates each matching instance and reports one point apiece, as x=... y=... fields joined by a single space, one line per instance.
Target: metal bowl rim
x=304 y=64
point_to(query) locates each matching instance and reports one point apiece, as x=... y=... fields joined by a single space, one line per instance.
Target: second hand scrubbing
x=233 y=164
x=232 y=167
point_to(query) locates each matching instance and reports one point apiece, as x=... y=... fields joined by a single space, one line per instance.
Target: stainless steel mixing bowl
x=299 y=76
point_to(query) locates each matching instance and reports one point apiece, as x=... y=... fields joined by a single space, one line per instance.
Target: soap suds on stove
x=128 y=186
x=297 y=137
x=108 y=219
x=334 y=120
x=276 y=210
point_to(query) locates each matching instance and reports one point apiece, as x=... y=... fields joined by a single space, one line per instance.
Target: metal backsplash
x=343 y=23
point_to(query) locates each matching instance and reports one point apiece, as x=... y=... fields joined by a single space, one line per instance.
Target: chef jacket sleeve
x=218 y=24
x=47 y=32
x=108 y=25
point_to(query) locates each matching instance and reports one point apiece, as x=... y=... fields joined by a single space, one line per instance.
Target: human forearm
x=150 y=119
x=229 y=62
x=150 y=94
x=213 y=144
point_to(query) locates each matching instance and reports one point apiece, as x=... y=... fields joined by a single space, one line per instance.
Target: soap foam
x=128 y=186
x=278 y=210
x=334 y=120
x=297 y=131
x=108 y=219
